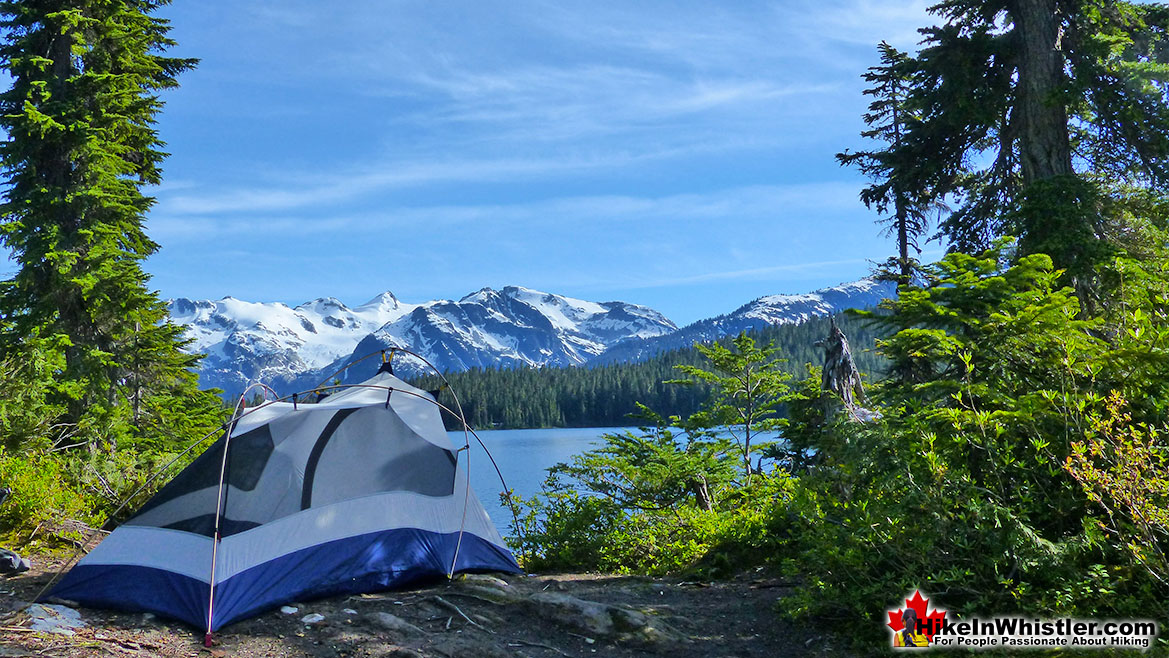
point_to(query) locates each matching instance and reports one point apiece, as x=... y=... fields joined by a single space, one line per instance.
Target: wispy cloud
x=802 y=270
x=212 y=220
x=555 y=71
x=299 y=189
x=861 y=23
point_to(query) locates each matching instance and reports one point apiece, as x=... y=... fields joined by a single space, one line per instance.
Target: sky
x=674 y=154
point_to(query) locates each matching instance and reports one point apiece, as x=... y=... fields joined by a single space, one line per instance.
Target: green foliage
x=567 y=529
x=79 y=116
x=889 y=118
x=1066 y=96
x=1124 y=469
x=806 y=412
x=41 y=494
x=28 y=419
x=563 y=528
x=962 y=485
x=117 y=484
x=672 y=497
x=658 y=469
x=747 y=388
x=94 y=386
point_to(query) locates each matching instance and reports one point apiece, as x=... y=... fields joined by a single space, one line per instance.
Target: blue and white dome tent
x=359 y=491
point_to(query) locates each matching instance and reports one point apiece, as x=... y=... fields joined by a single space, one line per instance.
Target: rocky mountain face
x=769 y=310
x=296 y=348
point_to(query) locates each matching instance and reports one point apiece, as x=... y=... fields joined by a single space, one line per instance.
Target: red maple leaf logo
x=929 y=624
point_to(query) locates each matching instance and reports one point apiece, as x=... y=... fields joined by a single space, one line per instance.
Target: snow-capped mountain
x=295 y=348
x=769 y=310
x=510 y=327
x=249 y=342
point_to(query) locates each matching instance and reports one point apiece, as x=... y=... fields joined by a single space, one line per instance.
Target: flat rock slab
x=602 y=619
x=396 y=624
x=56 y=619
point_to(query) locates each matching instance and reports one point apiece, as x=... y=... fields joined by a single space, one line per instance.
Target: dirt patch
x=478 y=617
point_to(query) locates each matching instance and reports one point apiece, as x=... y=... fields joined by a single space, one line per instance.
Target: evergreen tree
x=1062 y=99
x=749 y=386
x=80 y=119
x=888 y=119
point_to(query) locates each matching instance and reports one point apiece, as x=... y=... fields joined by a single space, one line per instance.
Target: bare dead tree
x=841 y=376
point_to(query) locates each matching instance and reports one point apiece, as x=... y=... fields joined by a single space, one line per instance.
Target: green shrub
x=563 y=529
x=41 y=495
x=960 y=488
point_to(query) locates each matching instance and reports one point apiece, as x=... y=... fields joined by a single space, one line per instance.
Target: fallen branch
x=454 y=608
x=771 y=584
x=583 y=637
x=129 y=645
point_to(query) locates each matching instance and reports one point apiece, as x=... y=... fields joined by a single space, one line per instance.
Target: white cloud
x=741 y=204
x=751 y=274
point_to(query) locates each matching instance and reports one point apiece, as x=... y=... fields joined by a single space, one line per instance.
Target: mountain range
x=296 y=348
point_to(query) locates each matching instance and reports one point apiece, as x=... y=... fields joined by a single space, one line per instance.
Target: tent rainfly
x=355 y=493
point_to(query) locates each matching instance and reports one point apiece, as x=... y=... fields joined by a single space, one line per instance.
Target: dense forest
x=607 y=395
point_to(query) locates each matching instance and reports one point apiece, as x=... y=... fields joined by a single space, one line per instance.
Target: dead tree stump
x=841 y=376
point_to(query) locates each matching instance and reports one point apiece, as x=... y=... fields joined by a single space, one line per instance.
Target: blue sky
x=673 y=154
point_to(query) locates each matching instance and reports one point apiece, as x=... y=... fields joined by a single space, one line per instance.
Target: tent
x=358 y=492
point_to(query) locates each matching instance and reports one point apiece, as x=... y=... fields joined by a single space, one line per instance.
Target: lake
x=523 y=457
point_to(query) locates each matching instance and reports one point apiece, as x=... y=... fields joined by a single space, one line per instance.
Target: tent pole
x=218 y=511
x=466 y=499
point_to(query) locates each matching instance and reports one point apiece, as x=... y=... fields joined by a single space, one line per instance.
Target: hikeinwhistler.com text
x=1018 y=632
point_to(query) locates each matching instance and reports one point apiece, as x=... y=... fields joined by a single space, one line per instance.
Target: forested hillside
x=605 y=396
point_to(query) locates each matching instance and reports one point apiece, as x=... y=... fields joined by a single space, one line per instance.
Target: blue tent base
x=365 y=563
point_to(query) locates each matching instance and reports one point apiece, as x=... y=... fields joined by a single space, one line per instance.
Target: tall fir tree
x=888 y=119
x=82 y=144
x=1038 y=115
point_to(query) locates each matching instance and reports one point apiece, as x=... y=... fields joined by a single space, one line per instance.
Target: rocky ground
x=537 y=616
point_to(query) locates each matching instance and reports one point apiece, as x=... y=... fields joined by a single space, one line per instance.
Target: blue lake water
x=523 y=457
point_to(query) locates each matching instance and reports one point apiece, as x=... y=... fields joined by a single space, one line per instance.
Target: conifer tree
x=888 y=119
x=82 y=144
x=749 y=385
x=1033 y=111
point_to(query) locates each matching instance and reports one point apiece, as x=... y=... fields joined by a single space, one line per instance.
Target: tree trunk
x=903 y=242
x=1045 y=149
x=701 y=490
x=901 y=212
